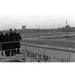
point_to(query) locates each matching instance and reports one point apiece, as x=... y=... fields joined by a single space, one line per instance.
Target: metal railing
x=13 y=52
x=44 y=52
x=7 y=44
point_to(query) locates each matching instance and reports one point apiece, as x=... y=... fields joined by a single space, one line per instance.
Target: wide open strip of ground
x=60 y=43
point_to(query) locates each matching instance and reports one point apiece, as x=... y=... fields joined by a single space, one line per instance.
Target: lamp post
x=39 y=31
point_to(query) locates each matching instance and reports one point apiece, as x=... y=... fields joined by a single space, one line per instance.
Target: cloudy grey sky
x=43 y=13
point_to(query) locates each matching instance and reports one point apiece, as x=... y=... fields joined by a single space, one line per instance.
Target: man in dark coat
x=17 y=35
x=2 y=39
x=17 y=38
x=9 y=42
x=12 y=42
x=11 y=33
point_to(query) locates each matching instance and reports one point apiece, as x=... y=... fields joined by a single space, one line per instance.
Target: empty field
x=52 y=43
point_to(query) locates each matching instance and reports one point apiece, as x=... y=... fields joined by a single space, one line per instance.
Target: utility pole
x=39 y=31
x=66 y=22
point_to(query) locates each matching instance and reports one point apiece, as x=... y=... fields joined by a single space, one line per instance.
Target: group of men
x=9 y=42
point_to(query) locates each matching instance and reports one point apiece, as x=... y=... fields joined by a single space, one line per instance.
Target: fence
x=9 y=49
x=39 y=53
x=43 y=53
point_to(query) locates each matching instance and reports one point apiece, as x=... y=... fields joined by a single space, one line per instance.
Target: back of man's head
x=15 y=30
x=10 y=30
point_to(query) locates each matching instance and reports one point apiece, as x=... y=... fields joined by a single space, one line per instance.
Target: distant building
x=23 y=28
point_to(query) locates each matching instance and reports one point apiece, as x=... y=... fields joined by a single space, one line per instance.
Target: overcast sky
x=35 y=13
